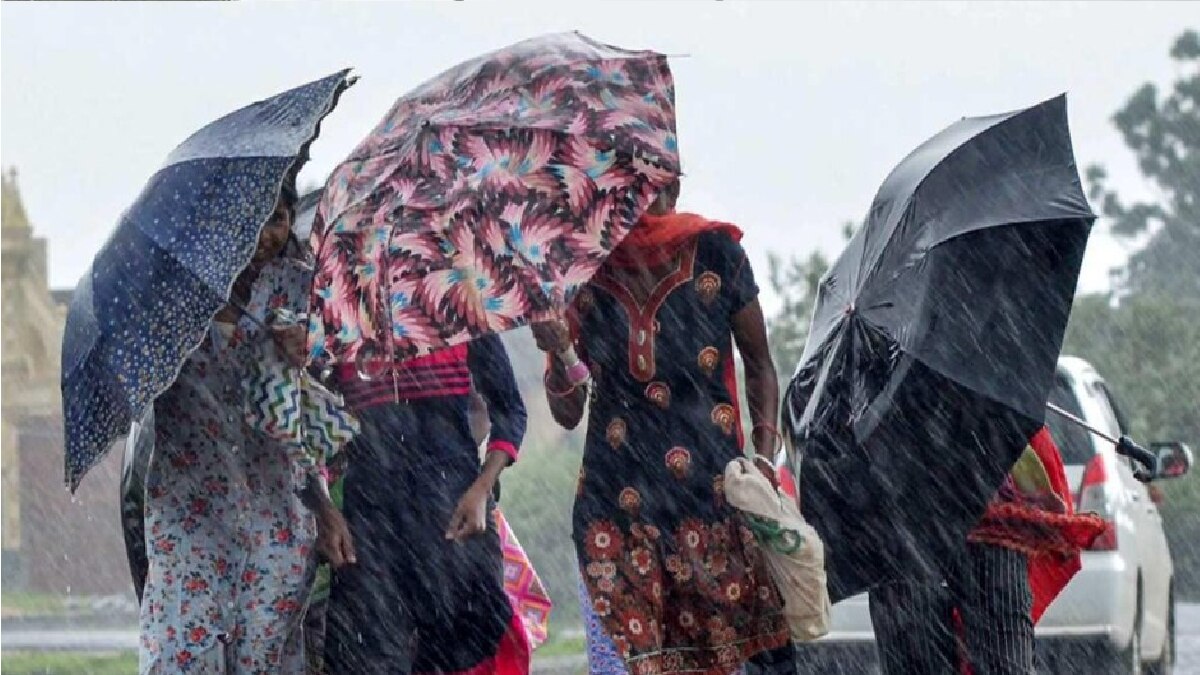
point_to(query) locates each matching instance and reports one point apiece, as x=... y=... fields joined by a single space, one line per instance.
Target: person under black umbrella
x=1013 y=563
x=934 y=343
x=932 y=350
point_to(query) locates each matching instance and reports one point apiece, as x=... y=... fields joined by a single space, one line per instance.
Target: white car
x=1117 y=614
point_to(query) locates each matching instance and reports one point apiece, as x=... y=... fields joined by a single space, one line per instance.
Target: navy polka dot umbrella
x=168 y=267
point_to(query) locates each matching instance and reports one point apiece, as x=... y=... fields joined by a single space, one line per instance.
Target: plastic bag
x=794 y=553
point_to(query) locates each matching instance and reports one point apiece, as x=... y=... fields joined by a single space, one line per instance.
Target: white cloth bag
x=793 y=551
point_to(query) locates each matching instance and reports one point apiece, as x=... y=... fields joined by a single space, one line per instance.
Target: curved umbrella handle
x=1126 y=447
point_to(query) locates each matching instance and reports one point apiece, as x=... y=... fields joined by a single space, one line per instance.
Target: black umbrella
x=934 y=341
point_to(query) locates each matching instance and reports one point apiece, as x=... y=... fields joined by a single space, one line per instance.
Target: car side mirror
x=1174 y=459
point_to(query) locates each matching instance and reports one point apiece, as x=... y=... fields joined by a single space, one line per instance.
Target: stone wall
x=70 y=544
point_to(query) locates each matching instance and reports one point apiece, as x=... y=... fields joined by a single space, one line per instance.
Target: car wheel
x=1165 y=665
x=1130 y=660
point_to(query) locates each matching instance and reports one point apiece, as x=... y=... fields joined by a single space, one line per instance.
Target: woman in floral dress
x=672 y=573
x=231 y=547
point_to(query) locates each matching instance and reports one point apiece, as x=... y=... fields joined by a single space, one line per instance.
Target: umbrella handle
x=1132 y=450
x=1125 y=445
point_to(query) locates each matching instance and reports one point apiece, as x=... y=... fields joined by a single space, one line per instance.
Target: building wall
x=70 y=544
x=52 y=542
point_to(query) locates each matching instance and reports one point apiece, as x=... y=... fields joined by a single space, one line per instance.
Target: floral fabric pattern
x=488 y=196
x=230 y=546
x=672 y=574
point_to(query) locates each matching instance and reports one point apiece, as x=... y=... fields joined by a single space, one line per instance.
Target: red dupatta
x=655 y=240
x=1051 y=541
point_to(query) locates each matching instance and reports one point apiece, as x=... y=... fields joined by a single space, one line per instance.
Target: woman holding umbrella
x=1016 y=560
x=674 y=576
x=229 y=540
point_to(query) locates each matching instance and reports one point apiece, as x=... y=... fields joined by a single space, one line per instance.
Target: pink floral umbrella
x=487 y=197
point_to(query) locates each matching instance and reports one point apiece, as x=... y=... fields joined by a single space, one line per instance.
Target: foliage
x=538 y=492
x=65 y=663
x=537 y=498
x=572 y=645
x=1164 y=134
x=1147 y=345
x=795 y=281
x=18 y=603
x=1147 y=348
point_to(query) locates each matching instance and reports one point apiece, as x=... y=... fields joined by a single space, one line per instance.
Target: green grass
x=31 y=603
x=123 y=663
x=569 y=646
x=62 y=663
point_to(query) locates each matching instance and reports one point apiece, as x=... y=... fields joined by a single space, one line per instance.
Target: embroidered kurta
x=230 y=546
x=673 y=574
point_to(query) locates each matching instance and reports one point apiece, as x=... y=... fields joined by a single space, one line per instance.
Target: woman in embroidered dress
x=673 y=574
x=230 y=545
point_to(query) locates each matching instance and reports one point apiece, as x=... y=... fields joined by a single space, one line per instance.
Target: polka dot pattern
x=153 y=288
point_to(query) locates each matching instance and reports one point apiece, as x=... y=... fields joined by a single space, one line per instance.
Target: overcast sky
x=790 y=115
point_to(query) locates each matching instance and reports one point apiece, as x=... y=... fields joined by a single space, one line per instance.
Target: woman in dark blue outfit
x=673 y=574
x=427 y=593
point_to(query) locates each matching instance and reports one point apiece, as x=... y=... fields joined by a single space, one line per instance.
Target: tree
x=1164 y=134
x=796 y=282
x=1148 y=351
x=1145 y=338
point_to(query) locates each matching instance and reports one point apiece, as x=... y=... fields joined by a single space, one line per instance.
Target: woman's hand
x=767 y=469
x=293 y=342
x=551 y=336
x=334 y=542
x=470 y=518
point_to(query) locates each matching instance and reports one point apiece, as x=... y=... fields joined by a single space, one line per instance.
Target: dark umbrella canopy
x=168 y=267
x=934 y=342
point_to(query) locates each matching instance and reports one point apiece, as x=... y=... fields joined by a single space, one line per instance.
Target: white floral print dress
x=230 y=546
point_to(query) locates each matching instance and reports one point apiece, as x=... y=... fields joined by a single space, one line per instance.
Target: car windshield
x=1074 y=442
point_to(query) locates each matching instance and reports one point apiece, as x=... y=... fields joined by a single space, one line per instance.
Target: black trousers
x=914 y=627
x=414 y=602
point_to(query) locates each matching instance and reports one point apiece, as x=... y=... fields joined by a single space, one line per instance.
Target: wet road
x=1187 y=644
x=1187 y=639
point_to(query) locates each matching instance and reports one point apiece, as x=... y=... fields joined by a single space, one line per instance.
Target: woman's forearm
x=762 y=398
x=762 y=385
x=493 y=465
x=315 y=495
x=566 y=403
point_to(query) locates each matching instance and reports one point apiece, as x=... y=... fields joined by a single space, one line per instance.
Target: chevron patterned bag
x=289 y=405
